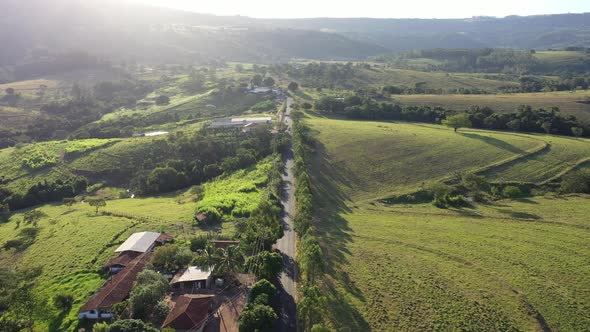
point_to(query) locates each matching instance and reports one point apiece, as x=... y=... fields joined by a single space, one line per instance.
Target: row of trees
x=524 y=119
x=312 y=304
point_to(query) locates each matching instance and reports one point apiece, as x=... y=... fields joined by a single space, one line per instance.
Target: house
x=224 y=244
x=259 y=91
x=115 y=289
x=134 y=246
x=190 y=312
x=192 y=278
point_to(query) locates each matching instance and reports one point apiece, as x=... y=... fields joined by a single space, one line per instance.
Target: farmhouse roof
x=266 y=119
x=120 y=285
x=123 y=259
x=141 y=242
x=193 y=273
x=190 y=311
x=201 y=216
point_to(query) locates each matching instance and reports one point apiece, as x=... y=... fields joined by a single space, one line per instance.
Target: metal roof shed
x=141 y=242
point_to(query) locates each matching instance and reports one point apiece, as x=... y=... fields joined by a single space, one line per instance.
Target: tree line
x=525 y=118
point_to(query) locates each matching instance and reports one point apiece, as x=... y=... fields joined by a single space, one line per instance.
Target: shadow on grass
x=55 y=324
x=519 y=215
x=494 y=142
x=334 y=234
x=526 y=200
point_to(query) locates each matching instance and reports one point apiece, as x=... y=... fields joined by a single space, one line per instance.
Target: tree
x=63 y=301
x=256 y=80
x=457 y=121
x=230 y=261
x=9 y=91
x=577 y=131
x=268 y=264
x=170 y=258
x=148 y=290
x=320 y=328
x=97 y=204
x=293 y=86
x=199 y=243
x=208 y=257
x=239 y=68
x=101 y=327
x=268 y=82
x=312 y=261
x=311 y=304
x=307 y=106
x=263 y=286
x=512 y=192
x=32 y=217
x=547 y=127
x=257 y=317
x=162 y=100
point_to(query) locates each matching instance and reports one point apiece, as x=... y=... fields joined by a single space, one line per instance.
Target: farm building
x=228 y=123
x=134 y=246
x=189 y=313
x=192 y=278
x=115 y=289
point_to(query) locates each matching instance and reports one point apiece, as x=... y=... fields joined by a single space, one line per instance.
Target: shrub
x=162 y=100
x=512 y=192
x=63 y=301
x=257 y=317
x=576 y=182
x=199 y=243
x=131 y=325
x=101 y=327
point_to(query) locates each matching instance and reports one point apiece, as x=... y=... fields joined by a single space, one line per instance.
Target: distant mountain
x=123 y=31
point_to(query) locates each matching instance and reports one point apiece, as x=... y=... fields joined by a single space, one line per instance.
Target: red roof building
x=189 y=312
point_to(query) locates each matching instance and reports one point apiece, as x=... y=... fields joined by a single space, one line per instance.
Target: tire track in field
x=530 y=309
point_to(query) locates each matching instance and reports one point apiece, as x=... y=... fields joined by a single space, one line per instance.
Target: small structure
x=237 y=123
x=192 y=278
x=189 y=313
x=115 y=290
x=135 y=245
x=219 y=244
x=259 y=91
x=144 y=241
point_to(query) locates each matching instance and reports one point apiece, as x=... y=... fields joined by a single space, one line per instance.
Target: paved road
x=287 y=244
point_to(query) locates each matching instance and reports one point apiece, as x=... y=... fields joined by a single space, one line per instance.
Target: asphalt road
x=287 y=244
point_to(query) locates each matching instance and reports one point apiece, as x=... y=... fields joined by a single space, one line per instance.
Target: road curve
x=287 y=244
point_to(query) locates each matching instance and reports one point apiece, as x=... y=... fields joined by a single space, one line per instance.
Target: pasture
x=510 y=265
x=569 y=103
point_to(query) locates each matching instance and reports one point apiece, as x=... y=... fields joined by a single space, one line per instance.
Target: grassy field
x=561 y=58
x=568 y=102
x=513 y=265
x=378 y=158
x=435 y=80
x=416 y=269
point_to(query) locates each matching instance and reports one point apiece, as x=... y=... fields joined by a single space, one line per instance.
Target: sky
x=375 y=8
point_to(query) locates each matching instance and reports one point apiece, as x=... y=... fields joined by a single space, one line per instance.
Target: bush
x=576 y=182
x=512 y=192
x=63 y=301
x=199 y=243
x=162 y=100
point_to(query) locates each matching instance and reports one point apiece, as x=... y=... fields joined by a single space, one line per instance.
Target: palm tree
x=208 y=257
x=230 y=261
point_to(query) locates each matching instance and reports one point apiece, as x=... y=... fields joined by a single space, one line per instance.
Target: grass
x=377 y=158
x=512 y=265
x=236 y=195
x=568 y=102
x=417 y=269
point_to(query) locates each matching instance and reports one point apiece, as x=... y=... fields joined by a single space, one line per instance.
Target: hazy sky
x=376 y=8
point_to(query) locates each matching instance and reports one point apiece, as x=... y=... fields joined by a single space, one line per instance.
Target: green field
x=569 y=103
x=378 y=158
x=517 y=265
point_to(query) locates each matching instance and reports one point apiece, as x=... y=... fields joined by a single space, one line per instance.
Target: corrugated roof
x=141 y=242
x=193 y=273
x=119 y=287
x=253 y=120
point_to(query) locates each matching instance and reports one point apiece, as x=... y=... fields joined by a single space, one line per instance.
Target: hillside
x=411 y=266
x=165 y=35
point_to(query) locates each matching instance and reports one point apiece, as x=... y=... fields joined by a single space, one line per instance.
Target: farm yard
x=504 y=265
